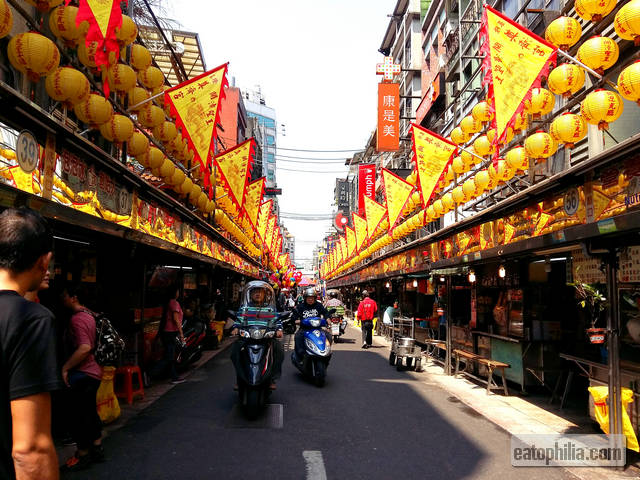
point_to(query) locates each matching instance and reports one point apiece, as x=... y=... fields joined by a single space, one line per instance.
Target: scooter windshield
x=257 y=317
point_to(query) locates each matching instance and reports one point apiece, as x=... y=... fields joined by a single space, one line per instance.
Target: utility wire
x=310 y=171
x=311 y=162
x=343 y=159
x=329 y=151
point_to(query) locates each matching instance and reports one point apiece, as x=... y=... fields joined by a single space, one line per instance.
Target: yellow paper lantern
x=599 y=53
x=563 y=32
x=155 y=158
x=119 y=129
x=468 y=158
x=67 y=85
x=151 y=77
x=459 y=137
x=458 y=195
x=202 y=201
x=470 y=125
x=185 y=187
x=566 y=79
x=33 y=54
x=138 y=95
x=491 y=133
x=521 y=122
x=627 y=22
x=481 y=181
x=151 y=116
x=62 y=22
x=438 y=208
x=210 y=208
x=594 y=10
x=500 y=172
x=602 y=107
x=540 y=145
x=541 y=103
x=482 y=112
x=44 y=5
x=448 y=202
x=167 y=168
x=122 y=78
x=629 y=82
x=448 y=176
x=177 y=178
x=165 y=132
x=160 y=99
x=6 y=19
x=87 y=54
x=458 y=166
x=517 y=159
x=140 y=57
x=469 y=189
x=127 y=32
x=430 y=213
x=138 y=144
x=568 y=129
x=483 y=147
x=194 y=193
x=94 y=111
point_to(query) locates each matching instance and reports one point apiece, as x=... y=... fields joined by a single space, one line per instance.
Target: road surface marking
x=315 y=465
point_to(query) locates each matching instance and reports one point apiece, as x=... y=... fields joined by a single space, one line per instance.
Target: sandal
x=77 y=462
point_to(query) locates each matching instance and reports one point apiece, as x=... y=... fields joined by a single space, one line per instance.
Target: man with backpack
x=366 y=312
x=82 y=373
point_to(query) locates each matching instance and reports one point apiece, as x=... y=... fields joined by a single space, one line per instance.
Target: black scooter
x=255 y=361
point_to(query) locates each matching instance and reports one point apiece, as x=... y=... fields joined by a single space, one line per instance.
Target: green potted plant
x=592 y=300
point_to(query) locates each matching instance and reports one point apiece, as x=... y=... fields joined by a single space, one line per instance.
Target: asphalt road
x=368 y=422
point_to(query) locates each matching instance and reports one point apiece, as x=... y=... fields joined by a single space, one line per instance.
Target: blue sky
x=315 y=62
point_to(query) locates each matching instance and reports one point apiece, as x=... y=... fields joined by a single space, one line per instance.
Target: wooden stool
x=467 y=358
x=491 y=366
x=126 y=389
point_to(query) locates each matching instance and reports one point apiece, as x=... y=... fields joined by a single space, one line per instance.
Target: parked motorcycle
x=317 y=350
x=338 y=326
x=191 y=349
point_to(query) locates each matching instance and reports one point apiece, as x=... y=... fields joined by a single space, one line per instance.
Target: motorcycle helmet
x=333 y=294
x=309 y=292
x=365 y=293
x=258 y=294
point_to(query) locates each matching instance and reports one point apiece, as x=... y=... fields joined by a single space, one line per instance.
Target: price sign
x=571 y=201
x=27 y=151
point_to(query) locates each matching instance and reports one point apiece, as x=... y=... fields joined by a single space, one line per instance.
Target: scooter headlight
x=314 y=323
x=245 y=334
x=313 y=347
x=258 y=333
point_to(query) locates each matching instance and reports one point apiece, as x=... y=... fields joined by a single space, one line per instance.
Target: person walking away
x=28 y=359
x=335 y=302
x=170 y=330
x=82 y=374
x=366 y=311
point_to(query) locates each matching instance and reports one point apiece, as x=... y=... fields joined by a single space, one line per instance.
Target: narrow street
x=368 y=422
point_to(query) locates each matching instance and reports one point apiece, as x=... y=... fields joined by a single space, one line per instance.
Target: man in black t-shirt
x=28 y=363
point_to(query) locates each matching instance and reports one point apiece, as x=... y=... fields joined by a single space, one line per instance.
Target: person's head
x=26 y=245
x=208 y=312
x=395 y=304
x=257 y=296
x=333 y=294
x=365 y=294
x=173 y=293
x=309 y=296
x=73 y=296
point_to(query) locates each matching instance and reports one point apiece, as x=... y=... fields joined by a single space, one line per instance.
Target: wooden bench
x=432 y=346
x=492 y=365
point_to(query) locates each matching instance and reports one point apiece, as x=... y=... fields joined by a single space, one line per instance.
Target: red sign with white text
x=366 y=185
x=388 y=137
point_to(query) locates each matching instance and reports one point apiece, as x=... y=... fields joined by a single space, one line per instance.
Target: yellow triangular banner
x=263 y=219
x=343 y=248
x=351 y=241
x=360 y=226
x=271 y=230
x=432 y=154
x=233 y=167
x=374 y=213
x=397 y=192
x=252 y=199
x=515 y=59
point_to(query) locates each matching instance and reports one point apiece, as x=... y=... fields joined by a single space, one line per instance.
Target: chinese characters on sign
x=387 y=139
x=366 y=184
x=432 y=154
x=397 y=192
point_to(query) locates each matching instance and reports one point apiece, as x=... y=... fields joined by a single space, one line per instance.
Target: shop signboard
x=27 y=151
x=366 y=184
x=388 y=135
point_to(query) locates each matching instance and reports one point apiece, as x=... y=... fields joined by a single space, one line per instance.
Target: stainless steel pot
x=405 y=342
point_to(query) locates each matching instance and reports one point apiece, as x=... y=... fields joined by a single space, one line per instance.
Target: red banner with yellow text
x=366 y=184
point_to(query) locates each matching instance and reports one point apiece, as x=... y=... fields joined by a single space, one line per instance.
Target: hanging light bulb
x=415 y=283
x=472 y=277
x=387 y=284
x=442 y=279
x=502 y=272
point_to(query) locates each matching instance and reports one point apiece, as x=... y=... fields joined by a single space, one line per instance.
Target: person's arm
x=77 y=357
x=176 y=320
x=34 y=455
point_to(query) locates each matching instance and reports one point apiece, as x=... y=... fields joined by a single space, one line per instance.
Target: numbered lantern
x=629 y=82
x=541 y=103
x=94 y=111
x=470 y=125
x=540 y=146
x=33 y=54
x=469 y=189
x=119 y=129
x=459 y=137
x=137 y=95
x=151 y=77
x=87 y=54
x=599 y=53
x=602 y=107
x=563 y=32
x=566 y=79
x=517 y=159
x=127 y=32
x=67 y=85
x=165 y=132
x=482 y=112
x=138 y=144
x=521 y=122
x=491 y=136
x=627 y=22
x=140 y=57
x=568 y=129
x=44 y=5
x=594 y=10
x=6 y=19
x=483 y=146
x=481 y=181
x=62 y=22
x=151 y=116
x=122 y=78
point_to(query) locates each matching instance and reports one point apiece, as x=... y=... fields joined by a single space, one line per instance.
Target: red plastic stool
x=125 y=389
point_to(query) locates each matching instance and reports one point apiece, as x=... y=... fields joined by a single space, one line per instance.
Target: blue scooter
x=317 y=350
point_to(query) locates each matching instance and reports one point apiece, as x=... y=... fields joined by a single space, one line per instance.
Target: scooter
x=191 y=349
x=317 y=350
x=254 y=368
x=338 y=326
x=288 y=325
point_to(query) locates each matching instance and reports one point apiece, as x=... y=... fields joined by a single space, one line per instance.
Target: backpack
x=109 y=344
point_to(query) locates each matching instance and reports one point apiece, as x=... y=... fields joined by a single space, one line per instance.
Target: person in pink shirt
x=82 y=374
x=170 y=330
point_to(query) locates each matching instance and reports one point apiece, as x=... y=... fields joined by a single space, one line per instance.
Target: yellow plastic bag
x=106 y=400
x=601 y=408
x=356 y=322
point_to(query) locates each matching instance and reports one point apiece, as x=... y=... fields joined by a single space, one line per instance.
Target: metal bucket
x=405 y=342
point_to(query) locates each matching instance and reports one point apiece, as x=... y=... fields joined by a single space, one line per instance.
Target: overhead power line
x=333 y=151
x=311 y=171
x=310 y=162
x=343 y=159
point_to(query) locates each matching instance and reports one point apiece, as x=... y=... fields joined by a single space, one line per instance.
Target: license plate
x=335 y=329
